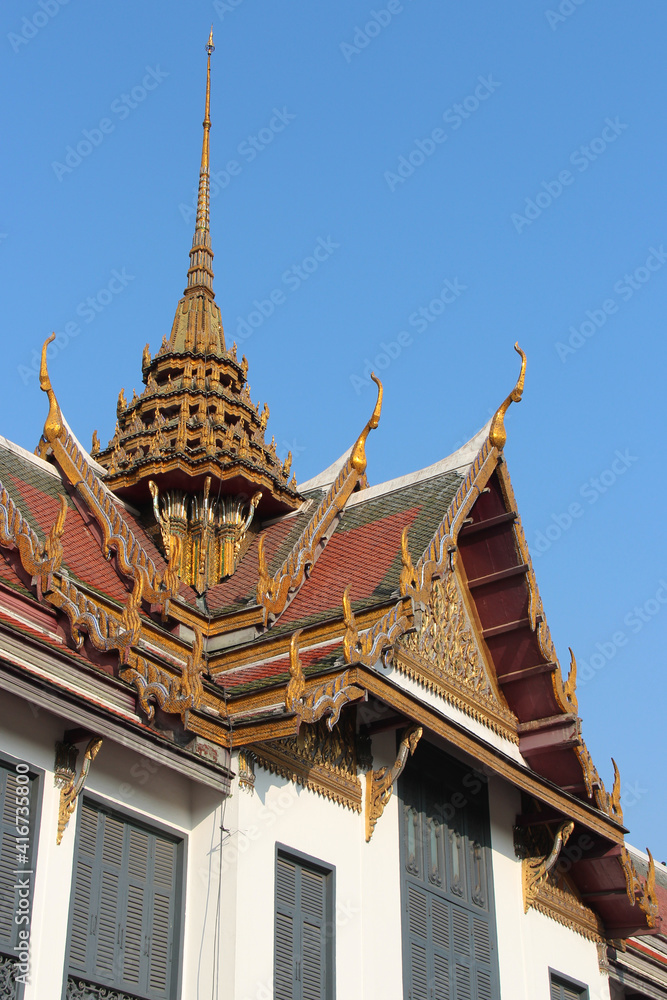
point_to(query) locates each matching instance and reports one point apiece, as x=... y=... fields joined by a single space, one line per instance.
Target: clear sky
x=470 y=174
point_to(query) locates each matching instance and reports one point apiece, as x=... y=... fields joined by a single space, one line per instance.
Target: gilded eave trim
x=477 y=705
x=329 y=782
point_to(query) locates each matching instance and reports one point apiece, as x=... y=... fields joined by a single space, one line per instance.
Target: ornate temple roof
x=170 y=593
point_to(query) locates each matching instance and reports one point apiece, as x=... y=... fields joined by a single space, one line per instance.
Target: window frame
x=37 y=774
x=562 y=980
x=329 y=870
x=156 y=827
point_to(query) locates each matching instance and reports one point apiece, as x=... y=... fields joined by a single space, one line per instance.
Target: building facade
x=268 y=739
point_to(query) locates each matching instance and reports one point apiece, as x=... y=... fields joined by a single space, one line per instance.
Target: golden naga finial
x=408 y=578
x=54 y=421
x=358 y=456
x=297 y=681
x=497 y=432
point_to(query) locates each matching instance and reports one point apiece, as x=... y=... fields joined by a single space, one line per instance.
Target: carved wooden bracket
x=65 y=776
x=380 y=784
x=534 y=871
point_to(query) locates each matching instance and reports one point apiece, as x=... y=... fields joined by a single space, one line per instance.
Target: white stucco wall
x=139 y=788
x=229 y=911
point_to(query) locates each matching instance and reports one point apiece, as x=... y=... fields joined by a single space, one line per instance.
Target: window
x=304 y=938
x=125 y=909
x=566 y=989
x=18 y=818
x=449 y=933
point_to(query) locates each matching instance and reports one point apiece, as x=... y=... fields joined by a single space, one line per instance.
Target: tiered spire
x=194 y=429
x=200 y=274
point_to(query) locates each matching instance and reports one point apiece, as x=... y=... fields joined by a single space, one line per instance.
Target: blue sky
x=472 y=174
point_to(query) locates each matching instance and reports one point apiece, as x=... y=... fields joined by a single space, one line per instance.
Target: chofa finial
x=497 y=432
x=358 y=456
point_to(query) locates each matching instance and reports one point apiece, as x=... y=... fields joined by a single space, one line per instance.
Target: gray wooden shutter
x=312 y=968
x=303 y=937
x=11 y=859
x=84 y=915
x=123 y=911
x=286 y=917
x=561 y=989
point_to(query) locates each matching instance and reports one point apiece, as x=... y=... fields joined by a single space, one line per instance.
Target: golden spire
x=200 y=272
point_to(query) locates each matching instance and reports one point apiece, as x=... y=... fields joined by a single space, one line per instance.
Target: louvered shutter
x=123 y=911
x=312 y=899
x=84 y=912
x=561 y=989
x=161 y=944
x=418 y=942
x=303 y=934
x=286 y=916
x=16 y=854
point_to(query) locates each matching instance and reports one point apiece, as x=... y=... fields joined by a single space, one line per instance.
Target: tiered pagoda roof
x=167 y=594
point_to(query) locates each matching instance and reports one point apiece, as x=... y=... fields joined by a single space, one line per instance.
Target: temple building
x=262 y=738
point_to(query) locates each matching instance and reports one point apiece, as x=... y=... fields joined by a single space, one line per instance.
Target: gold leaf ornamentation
x=319 y=759
x=380 y=784
x=444 y=655
x=173 y=694
x=535 y=870
x=326 y=700
x=71 y=789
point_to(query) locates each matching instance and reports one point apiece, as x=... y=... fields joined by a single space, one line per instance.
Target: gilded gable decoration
x=170 y=692
x=444 y=654
x=550 y=893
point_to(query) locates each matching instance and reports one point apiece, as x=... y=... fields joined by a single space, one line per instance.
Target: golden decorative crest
x=170 y=692
x=535 y=870
x=210 y=531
